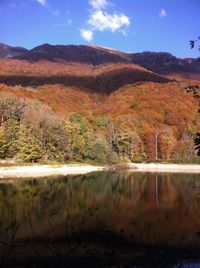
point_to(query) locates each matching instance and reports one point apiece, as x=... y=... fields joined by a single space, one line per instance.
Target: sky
x=127 y=25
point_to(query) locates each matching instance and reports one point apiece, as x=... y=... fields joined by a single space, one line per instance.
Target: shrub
x=101 y=152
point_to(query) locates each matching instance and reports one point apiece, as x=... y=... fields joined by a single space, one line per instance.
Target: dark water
x=104 y=219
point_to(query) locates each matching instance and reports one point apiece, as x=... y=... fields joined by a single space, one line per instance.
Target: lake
x=102 y=219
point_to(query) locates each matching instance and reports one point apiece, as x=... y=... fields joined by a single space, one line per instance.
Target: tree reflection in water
x=104 y=217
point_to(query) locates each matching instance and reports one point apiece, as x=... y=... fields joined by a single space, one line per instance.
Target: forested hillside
x=97 y=106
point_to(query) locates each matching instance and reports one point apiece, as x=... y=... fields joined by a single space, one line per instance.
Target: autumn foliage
x=139 y=114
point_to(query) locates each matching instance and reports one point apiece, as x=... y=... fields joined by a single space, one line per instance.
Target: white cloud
x=101 y=21
x=42 y=2
x=98 y=4
x=87 y=35
x=163 y=13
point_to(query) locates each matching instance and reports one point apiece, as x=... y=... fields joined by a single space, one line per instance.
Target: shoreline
x=46 y=170
x=76 y=169
x=165 y=168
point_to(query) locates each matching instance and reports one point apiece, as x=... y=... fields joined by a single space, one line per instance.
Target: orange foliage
x=132 y=103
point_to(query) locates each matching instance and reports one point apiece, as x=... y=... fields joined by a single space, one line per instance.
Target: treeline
x=101 y=139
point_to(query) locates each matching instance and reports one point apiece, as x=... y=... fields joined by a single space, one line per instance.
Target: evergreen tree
x=29 y=149
x=76 y=141
x=2 y=144
x=54 y=141
x=11 y=134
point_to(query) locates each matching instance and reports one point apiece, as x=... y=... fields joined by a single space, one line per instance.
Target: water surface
x=103 y=219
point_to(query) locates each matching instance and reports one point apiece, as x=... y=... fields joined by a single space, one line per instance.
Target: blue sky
x=128 y=25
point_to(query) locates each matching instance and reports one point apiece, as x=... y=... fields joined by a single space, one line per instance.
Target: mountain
x=161 y=63
x=139 y=93
x=167 y=64
x=105 y=79
x=71 y=53
x=90 y=68
x=7 y=52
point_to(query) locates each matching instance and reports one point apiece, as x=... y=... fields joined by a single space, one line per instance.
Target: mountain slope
x=71 y=53
x=161 y=63
x=7 y=52
x=166 y=64
x=104 y=78
x=113 y=99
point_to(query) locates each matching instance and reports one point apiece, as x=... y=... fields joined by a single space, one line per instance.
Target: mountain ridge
x=162 y=63
x=7 y=51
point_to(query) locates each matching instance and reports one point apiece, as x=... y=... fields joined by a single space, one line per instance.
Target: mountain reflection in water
x=103 y=219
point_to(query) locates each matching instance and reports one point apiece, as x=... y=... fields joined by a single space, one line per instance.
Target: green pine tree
x=28 y=146
x=2 y=144
x=11 y=134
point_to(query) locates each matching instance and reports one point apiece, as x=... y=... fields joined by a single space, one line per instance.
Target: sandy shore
x=168 y=168
x=46 y=170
